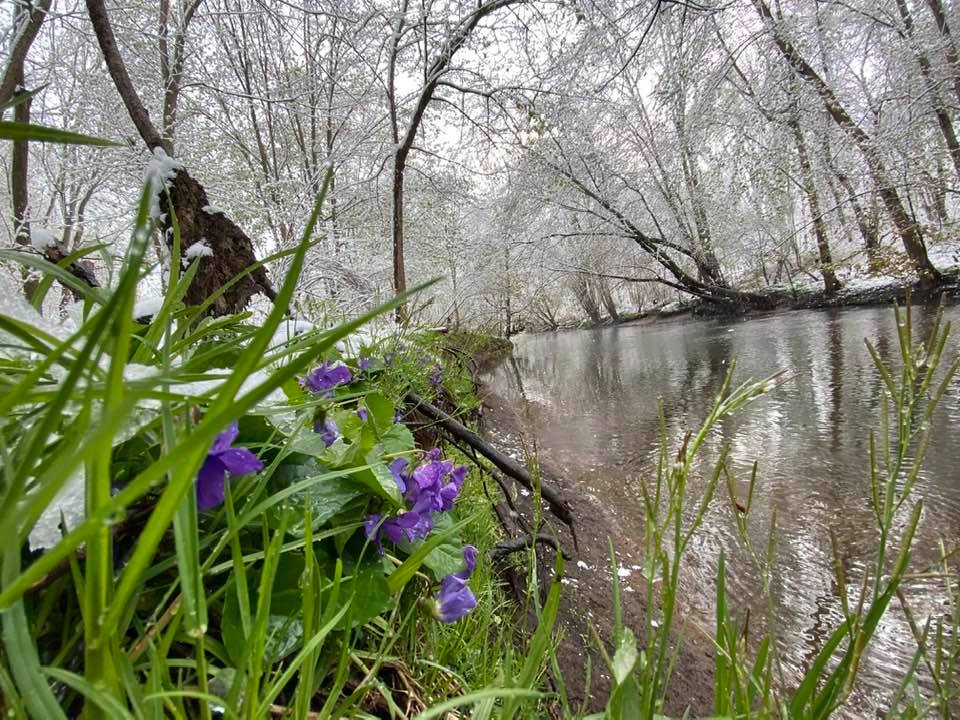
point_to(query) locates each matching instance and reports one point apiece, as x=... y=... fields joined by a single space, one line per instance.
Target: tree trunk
x=609 y=304
x=830 y=282
x=399 y=268
x=906 y=226
x=930 y=87
x=865 y=224
x=949 y=46
x=33 y=17
x=19 y=164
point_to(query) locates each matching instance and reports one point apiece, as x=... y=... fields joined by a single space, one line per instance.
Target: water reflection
x=592 y=404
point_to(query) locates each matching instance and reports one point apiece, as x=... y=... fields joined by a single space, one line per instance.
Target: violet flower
x=329 y=432
x=396 y=469
x=364 y=364
x=436 y=377
x=362 y=414
x=426 y=490
x=221 y=459
x=455 y=599
x=323 y=379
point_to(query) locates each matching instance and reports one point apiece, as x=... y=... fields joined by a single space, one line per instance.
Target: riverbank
x=586 y=604
x=859 y=292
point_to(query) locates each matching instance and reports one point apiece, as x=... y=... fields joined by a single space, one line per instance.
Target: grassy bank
x=205 y=517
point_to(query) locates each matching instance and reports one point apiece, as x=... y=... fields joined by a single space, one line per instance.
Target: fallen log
x=555 y=500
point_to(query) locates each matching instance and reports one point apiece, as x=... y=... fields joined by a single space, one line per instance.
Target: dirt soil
x=587 y=585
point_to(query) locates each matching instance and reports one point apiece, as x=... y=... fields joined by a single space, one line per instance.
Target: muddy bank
x=587 y=583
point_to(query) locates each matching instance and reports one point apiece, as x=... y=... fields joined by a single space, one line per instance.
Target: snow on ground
x=147 y=306
x=14 y=305
x=945 y=255
x=869 y=282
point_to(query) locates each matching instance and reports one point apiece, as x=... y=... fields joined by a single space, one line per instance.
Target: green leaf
x=367 y=592
x=324 y=498
x=379 y=479
x=408 y=568
x=625 y=658
x=444 y=560
x=398 y=439
x=38 y=133
x=381 y=411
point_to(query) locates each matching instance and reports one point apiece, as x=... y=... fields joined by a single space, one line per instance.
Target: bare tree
x=231 y=248
x=906 y=226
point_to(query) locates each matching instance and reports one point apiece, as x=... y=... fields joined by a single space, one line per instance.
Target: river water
x=589 y=397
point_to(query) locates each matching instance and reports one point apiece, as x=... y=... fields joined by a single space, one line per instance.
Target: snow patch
x=68 y=503
x=160 y=171
x=41 y=239
x=212 y=210
x=289 y=329
x=147 y=306
x=198 y=249
x=870 y=282
x=15 y=306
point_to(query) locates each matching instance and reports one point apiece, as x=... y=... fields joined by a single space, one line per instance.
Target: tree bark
x=830 y=282
x=907 y=227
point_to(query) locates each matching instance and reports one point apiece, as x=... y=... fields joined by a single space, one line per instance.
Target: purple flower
x=425 y=491
x=362 y=413
x=328 y=431
x=323 y=379
x=455 y=599
x=412 y=524
x=371 y=526
x=364 y=363
x=221 y=459
x=396 y=469
x=436 y=377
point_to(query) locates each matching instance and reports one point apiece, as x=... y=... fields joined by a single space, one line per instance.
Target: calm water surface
x=590 y=397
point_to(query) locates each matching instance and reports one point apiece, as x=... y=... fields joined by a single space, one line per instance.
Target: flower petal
x=371 y=527
x=396 y=469
x=470 y=560
x=455 y=600
x=240 y=461
x=210 y=481
x=225 y=439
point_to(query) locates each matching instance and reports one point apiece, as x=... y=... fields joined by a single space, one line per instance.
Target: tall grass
x=274 y=603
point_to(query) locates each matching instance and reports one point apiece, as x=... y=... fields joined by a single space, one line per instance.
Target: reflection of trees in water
x=600 y=389
x=834 y=328
x=602 y=367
